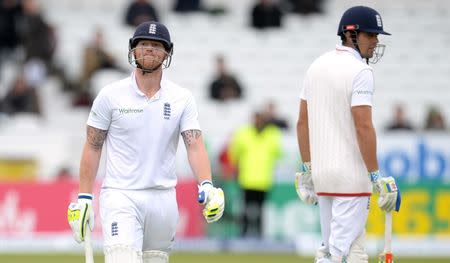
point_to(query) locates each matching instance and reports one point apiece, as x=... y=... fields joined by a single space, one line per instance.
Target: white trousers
x=342 y=220
x=141 y=219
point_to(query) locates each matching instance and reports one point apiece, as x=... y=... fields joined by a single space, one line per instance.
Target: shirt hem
x=343 y=194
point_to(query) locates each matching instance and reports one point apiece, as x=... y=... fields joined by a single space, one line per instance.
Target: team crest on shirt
x=114 y=229
x=167 y=111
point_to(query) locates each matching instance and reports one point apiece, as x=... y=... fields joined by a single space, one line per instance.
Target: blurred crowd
x=434 y=120
x=28 y=39
x=31 y=41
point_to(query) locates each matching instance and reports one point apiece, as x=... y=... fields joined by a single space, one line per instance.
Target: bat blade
x=387 y=256
x=88 y=251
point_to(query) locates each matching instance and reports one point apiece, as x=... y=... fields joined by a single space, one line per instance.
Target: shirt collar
x=353 y=51
x=135 y=86
x=142 y=94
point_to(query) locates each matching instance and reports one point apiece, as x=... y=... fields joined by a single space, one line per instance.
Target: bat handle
x=88 y=251
x=388 y=233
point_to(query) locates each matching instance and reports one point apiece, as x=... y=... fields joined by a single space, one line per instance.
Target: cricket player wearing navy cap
x=140 y=119
x=337 y=139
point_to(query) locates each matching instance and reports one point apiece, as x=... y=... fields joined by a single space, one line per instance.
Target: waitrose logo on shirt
x=130 y=110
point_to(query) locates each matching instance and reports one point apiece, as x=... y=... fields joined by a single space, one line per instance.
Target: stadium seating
x=270 y=64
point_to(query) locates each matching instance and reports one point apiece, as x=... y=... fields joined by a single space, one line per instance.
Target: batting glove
x=81 y=215
x=213 y=199
x=304 y=185
x=390 y=196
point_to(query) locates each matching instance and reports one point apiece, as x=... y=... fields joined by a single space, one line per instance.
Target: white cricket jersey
x=143 y=133
x=334 y=83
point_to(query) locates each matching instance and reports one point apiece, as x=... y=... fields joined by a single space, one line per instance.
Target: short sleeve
x=100 y=115
x=189 y=118
x=303 y=91
x=363 y=88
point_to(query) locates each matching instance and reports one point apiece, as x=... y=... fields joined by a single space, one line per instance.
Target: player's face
x=367 y=42
x=149 y=53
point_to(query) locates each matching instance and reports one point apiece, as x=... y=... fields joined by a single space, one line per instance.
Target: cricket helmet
x=361 y=19
x=152 y=30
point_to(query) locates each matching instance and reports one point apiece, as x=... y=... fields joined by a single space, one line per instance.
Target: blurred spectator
x=10 y=13
x=216 y=7
x=37 y=36
x=266 y=13
x=22 y=97
x=140 y=11
x=39 y=40
x=435 y=120
x=225 y=86
x=95 y=58
x=184 y=6
x=64 y=174
x=400 y=121
x=270 y=110
x=305 y=7
x=254 y=150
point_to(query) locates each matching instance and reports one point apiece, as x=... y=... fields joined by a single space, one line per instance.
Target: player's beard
x=366 y=50
x=369 y=53
x=149 y=63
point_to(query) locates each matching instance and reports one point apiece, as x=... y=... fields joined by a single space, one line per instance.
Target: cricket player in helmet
x=365 y=20
x=337 y=139
x=152 y=32
x=140 y=119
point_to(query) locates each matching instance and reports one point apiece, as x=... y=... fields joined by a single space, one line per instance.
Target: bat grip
x=388 y=233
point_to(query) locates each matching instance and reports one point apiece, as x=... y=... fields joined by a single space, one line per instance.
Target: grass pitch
x=195 y=258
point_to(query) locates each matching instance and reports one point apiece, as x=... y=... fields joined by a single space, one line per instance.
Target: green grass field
x=196 y=258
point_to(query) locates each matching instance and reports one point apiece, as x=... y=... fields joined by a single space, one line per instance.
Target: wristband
x=374 y=175
x=306 y=167
x=206 y=182
x=85 y=196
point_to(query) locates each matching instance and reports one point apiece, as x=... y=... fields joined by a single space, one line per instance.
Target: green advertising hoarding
x=420 y=164
x=425 y=211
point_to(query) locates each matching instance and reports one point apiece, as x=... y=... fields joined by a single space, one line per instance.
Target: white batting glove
x=214 y=200
x=304 y=185
x=81 y=215
x=390 y=197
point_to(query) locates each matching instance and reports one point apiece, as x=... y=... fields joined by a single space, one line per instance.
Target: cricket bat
x=387 y=256
x=88 y=251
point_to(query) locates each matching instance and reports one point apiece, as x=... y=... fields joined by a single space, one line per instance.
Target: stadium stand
x=270 y=63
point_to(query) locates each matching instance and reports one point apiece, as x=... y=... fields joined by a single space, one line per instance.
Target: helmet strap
x=354 y=36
